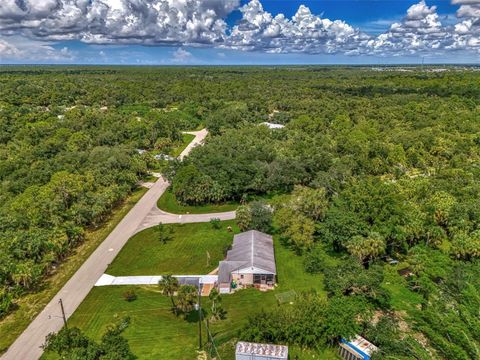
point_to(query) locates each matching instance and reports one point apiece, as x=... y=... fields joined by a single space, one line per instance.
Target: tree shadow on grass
x=192 y=316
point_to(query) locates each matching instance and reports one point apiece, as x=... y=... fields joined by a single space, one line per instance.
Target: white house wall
x=252 y=270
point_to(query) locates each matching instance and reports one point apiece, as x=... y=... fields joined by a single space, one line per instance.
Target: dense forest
x=370 y=166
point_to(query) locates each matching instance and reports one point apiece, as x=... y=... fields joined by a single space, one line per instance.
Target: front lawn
x=167 y=202
x=155 y=333
x=185 y=253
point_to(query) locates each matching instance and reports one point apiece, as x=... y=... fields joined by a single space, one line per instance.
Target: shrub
x=130 y=295
x=215 y=222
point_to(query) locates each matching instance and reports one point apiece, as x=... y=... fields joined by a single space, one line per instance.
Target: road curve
x=156 y=216
x=141 y=216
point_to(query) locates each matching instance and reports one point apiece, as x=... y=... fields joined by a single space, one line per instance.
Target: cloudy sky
x=176 y=32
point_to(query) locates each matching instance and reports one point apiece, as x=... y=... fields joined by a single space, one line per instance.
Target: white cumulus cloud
x=181 y=23
x=181 y=56
x=195 y=22
x=20 y=48
x=304 y=32
x=419 y=31
x=467 y=31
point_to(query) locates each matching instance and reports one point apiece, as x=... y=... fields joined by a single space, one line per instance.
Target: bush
x=6 y=303
x=130 y=295
x=256 y=216
x=215 y=222
x=315 y=261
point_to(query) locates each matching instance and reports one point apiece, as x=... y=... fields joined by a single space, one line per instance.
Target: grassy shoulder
x=185 y=253
x=30 y=305
x=167 y=202
x=186 y=139
x=154 y=331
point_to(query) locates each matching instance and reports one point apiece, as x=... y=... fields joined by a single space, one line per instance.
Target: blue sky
x=215 y=32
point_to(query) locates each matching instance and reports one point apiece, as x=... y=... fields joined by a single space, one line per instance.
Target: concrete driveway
x=143 y=215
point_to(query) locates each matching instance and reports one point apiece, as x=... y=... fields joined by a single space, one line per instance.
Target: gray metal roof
x=250 y=249
x=195 y=281
x=225 y=269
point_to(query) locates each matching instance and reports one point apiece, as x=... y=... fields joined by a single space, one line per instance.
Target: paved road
x=27 y=345
x=199 y=137
x=156 y=216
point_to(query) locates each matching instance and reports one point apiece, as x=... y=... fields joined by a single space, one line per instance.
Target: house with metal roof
x=253 y=351
x=250 y=262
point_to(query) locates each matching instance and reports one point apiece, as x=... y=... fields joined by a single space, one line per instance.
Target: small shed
x=254 y=351
x=356 y=348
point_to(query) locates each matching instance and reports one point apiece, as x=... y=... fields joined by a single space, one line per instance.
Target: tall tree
x=169 y=286
x=366 y=248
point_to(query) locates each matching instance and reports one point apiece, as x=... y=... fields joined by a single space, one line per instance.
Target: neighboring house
x=356 y=349
x=253 y=351
x=272 y=125
x=250 y=262
x=163 y=157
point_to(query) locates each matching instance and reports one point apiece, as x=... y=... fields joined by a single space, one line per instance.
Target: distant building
x=272 y=125
x=250 y=262
x=253 y=351
x=356 y=349
x=163 y=157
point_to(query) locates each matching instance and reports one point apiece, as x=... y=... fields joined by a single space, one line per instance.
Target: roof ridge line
x=251 y=256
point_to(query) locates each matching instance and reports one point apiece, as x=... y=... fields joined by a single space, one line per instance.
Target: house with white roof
x=250 y=262
x=253 y=351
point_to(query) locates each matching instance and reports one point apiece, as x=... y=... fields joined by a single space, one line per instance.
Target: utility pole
x=199 y=318
x=63 y=313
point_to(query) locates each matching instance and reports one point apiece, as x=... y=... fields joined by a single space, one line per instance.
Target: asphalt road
x=142 y=215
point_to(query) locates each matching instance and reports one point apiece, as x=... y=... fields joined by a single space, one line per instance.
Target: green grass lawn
x=155 y=333
x=401 y=297
x=185 y=253
x=186 y=139
x=168 y=202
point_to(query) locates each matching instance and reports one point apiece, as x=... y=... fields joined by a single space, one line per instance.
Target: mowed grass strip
x=184 y=254
x=186 y=139
x=168 y=202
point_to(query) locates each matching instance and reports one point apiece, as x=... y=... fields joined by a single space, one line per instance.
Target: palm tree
x=187 y=296
x=217 y=310
x=169 y=286
x=366 y=248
